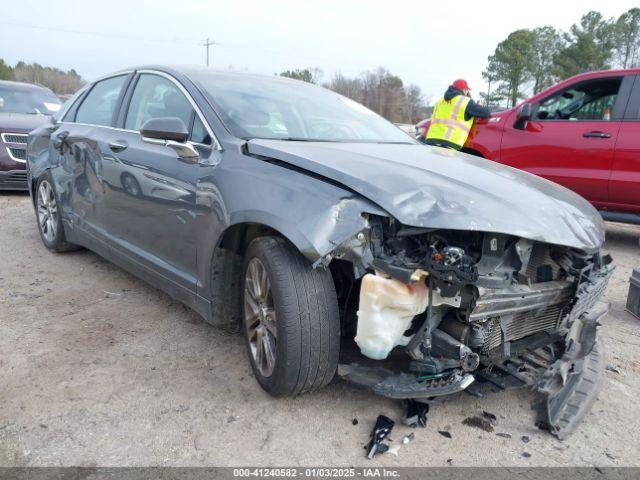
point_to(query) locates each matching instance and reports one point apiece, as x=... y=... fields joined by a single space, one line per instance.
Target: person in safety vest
x=453 y=116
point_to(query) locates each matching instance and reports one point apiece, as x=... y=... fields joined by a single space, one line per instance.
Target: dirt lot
x=98 y=368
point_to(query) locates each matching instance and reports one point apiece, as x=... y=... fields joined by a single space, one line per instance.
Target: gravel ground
x=98 y=368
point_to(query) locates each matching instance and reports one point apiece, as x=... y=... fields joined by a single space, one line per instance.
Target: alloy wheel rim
x=47 y=211
x=130 y=186
x=260 y=317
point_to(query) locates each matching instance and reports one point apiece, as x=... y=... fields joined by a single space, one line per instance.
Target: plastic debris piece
x=525 y=439
x=408 y=438
x=504 y=435
x=478 y=422
x=444 y=433
x=394 y=449
x=450 y=461
x=354 y=421
x=490 y=416
x=381 y=430
x=613 y=369
x=415 y=413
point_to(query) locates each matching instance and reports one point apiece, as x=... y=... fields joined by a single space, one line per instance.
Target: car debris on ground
x=415 y=413
x=408 y=438
x=381 y=430
x=478 y=422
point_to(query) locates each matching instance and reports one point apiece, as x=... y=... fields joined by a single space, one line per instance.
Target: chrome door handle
x=118 y=145
x=596 y=135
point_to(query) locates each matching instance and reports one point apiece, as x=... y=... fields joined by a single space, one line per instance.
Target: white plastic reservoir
x=386 y=309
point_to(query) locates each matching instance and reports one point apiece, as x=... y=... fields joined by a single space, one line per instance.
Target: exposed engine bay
x=463 y=310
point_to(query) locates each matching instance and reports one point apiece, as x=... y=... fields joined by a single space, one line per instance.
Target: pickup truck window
x=633 y=108
x=592 y=100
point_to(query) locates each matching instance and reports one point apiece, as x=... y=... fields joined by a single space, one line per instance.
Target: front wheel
x=290 y=318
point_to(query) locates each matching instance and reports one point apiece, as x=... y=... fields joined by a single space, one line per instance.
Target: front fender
x=315 y=228
x=314 y=214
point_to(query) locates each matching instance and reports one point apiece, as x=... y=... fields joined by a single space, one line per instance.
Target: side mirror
x=524 y=115
x=165 y=128
x=170 y=132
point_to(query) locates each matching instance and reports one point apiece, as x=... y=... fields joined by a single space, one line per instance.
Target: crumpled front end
x=434 y=312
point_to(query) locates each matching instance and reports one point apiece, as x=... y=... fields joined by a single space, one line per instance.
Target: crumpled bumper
x=570 y=386
x=402 y=385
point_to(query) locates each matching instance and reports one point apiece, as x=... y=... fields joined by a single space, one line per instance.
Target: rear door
x=624 y=186
x=571 y=136
x=82 y=140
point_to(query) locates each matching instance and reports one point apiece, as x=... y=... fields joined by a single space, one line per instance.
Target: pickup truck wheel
x=290 y=319
x=49 y=217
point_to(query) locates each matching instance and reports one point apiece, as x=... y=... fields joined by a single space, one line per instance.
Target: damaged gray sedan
x=339 y=244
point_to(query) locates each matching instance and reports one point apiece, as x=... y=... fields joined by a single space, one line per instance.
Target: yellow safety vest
x=448 y=123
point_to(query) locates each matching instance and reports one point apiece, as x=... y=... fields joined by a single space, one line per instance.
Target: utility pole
x=207 y=44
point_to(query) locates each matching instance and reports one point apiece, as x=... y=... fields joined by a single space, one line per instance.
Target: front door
x=571 y=137
x=151 y=201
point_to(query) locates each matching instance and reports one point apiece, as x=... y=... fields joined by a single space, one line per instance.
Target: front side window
x=155 y=97
x=592 y=100
x=100 y=103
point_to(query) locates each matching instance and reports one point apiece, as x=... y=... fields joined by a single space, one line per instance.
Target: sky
x=426 y=43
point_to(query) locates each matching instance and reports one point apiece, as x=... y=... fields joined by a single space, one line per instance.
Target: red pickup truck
x=583 y=133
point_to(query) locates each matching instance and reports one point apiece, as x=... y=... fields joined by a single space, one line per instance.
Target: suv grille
x=15 y=138
x=17 y=153
x=17 y=143
x=16 y=178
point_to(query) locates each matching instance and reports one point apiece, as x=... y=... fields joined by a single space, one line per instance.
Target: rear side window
x=99 y=105
x=154 y=97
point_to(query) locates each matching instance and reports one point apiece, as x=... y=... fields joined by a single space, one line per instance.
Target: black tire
x=307 y=319
x=52 y=230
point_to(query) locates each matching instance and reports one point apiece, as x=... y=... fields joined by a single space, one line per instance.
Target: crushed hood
x=438 y=188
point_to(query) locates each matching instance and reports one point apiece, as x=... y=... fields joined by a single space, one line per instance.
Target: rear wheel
x=290 y=318
x=49 y=217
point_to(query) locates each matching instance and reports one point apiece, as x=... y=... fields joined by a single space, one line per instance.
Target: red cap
x=461 y=84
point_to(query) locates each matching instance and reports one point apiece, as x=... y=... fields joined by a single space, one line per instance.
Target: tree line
x=530 y=60
x=379 y=90
x=61 y=82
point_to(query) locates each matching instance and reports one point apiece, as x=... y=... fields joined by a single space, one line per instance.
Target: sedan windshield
x=278 y=108
x=32 y=100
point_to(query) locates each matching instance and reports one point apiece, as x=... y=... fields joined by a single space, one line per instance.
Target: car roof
x=192 y=70
x=21 y=85
x=600 y=73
